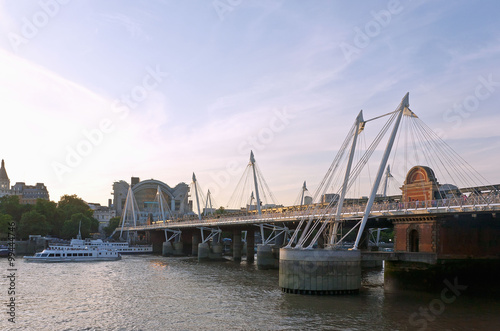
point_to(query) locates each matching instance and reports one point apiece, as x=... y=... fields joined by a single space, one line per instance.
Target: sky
x=93 y=92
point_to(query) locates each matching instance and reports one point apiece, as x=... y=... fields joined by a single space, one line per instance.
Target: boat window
x=80 y=254
x=58 y=254
x=44 y=255
x=38 y=255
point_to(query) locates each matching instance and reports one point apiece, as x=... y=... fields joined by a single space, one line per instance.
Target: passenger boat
x=74 y=255
x=120 y=247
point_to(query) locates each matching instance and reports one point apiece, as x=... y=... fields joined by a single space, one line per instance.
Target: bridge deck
x=352 y=213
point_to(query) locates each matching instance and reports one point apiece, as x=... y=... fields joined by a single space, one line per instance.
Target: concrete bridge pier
x=168 y=249
x=319 y=271
x=250 y=246
x=237 y=245
x=203 y=251
x=279 y=242
x=178 y=248
x=194 y=243
x=265 y=258
x=268 y=255
x=157 y=239
x=216 y=251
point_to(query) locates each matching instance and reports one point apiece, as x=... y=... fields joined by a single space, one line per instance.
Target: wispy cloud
x=132 y=26
x=229 y=79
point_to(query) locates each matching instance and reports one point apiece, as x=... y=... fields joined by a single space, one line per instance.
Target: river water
x=167 y=293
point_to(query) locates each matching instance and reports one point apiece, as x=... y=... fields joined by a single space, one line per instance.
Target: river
x=167 y=293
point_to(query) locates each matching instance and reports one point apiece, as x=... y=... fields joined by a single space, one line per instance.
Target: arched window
x=413 y=241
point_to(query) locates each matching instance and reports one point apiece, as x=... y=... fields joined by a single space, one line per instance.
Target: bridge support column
x=278 y=243
x=157 y=239
x=178 y=248
x=203 y=251
x=216 y=252
x=250 y=246
x=265 y=258
x=168 y=249
x=319 y=271
x=195 y=241
x=237 y=245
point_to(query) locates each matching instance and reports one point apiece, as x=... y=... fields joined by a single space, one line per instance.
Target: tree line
x=61 y=219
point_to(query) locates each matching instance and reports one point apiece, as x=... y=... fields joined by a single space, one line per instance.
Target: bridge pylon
x=312 y=275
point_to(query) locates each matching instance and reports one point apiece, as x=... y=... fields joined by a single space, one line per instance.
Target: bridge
x=444 y=229
x=384 y=209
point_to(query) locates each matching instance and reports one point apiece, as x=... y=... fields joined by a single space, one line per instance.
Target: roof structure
x=3 y=172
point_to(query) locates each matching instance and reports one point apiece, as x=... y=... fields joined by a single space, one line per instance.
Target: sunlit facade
x=28 y=194
x=145 y=194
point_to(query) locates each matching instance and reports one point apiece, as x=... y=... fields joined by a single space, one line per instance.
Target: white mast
x=160 y=204
x=252 y=162
x=304 y=189
x=196 y=193
x=129 y=203
x=208 y=204
x=402 y=108
x=386 y=180
x=360 y=125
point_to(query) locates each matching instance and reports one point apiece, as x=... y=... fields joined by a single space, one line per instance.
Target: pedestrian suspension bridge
x=431 y=186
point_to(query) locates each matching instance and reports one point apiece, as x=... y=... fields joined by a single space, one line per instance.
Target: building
x=103 y=214
x=145 y=194
x=4 y=181
x=28 y=194
x=329 y=197
x=420 y=185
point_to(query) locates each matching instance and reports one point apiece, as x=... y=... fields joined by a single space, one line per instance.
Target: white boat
x=120 y=247
x=75 y=254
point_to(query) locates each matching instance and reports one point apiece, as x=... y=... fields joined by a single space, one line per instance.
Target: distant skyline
x=95 y=92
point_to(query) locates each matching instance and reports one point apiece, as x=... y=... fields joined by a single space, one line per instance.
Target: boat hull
x=120 y=247
x=70 y=259
x=135 y=252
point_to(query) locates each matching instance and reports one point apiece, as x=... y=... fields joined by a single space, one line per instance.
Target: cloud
x=133 y=27
x=231 y=77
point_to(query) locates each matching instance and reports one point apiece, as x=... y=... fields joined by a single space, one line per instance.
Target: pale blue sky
x=293 y=74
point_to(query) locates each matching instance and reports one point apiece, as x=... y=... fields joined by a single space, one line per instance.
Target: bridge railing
x=463 y=203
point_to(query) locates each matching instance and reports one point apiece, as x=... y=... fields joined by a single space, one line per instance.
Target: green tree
x=46 y=208
x=79 y=221
x=72 y=204
x=32 y=223
x=5 y=221
x=9 y=204
x=387 y=235
x=112 y=225
x=220 y=211
x=49 y=210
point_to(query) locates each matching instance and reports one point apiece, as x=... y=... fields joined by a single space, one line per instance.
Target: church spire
x=3 y=172
x=4 y=179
